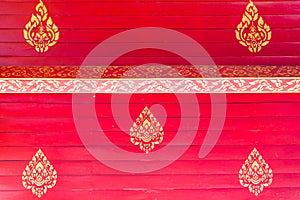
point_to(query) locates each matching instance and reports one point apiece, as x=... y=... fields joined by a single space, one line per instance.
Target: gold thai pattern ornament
x=255 y=173
x=253 y=32
x=146 y=131
x=40 y=32
x=71 y=72
x=39 y=175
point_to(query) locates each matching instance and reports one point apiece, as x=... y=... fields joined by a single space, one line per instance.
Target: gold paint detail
x=40 y=32
x=146 y=131
x=39 y=175
x=44 y=72
x=255 y=173
x=253 y=32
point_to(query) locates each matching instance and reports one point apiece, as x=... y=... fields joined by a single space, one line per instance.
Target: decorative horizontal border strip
x=152 y=71
x=175 y=85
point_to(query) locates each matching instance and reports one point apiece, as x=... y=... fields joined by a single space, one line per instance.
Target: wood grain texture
x=268 y=122
x=83 y=25
x=149 y=194
x=95 y=36
x=142 y=8
x=184 y=22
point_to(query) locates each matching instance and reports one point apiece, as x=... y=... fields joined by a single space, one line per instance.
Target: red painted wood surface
x=84 y=24
x=268 y=122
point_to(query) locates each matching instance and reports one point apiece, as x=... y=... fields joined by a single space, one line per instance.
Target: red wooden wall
x=268 y=122
x=84 y=24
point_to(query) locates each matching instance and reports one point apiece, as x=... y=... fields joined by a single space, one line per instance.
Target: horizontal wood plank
x=145 y=193
x=95 y=36
x=152 y=98
x=45 y=110
x=214 y=50
x=220 y=153
x=110 y=124
x=111 y=22
x=180 y=167
x=229 y=60
x=157 y=182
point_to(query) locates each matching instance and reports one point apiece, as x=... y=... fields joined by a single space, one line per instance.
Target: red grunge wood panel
x=83 y=25
x=42 y=151
x=268 y=122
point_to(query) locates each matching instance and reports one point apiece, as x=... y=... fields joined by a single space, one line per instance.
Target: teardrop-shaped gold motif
x=253 y=32
x=146 y=131
x=255 y=173
x=39 y=175
x=40 y=32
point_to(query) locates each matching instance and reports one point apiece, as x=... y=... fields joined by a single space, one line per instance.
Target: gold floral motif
x=146 y=131
x=44 y=72
x=39 y=175
x=253 y=32
x=40 y=32
x=255 y=173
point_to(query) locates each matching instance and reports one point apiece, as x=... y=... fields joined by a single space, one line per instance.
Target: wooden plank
x=95 y=36
x=147 y=1
x=230 y=60
x=172 y=124
x=71 y=139
x=103 y=110
x=142 y=194
x=149 y=8
x=111 y=22
x=214 y=50
x=152 y=98
x=195 y=167
x=162 y=182
x=220 y=152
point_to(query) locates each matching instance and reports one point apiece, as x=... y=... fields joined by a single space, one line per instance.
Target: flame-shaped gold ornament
x=146 y=131
x=253 y=32
x=39 y=175
x=255 y=173
x=40 y=32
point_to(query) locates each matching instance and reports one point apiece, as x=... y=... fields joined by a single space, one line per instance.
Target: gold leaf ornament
x=39 y=175
x=146 y=131
x=255 y=173
x=253 y=32
x=40 y=32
